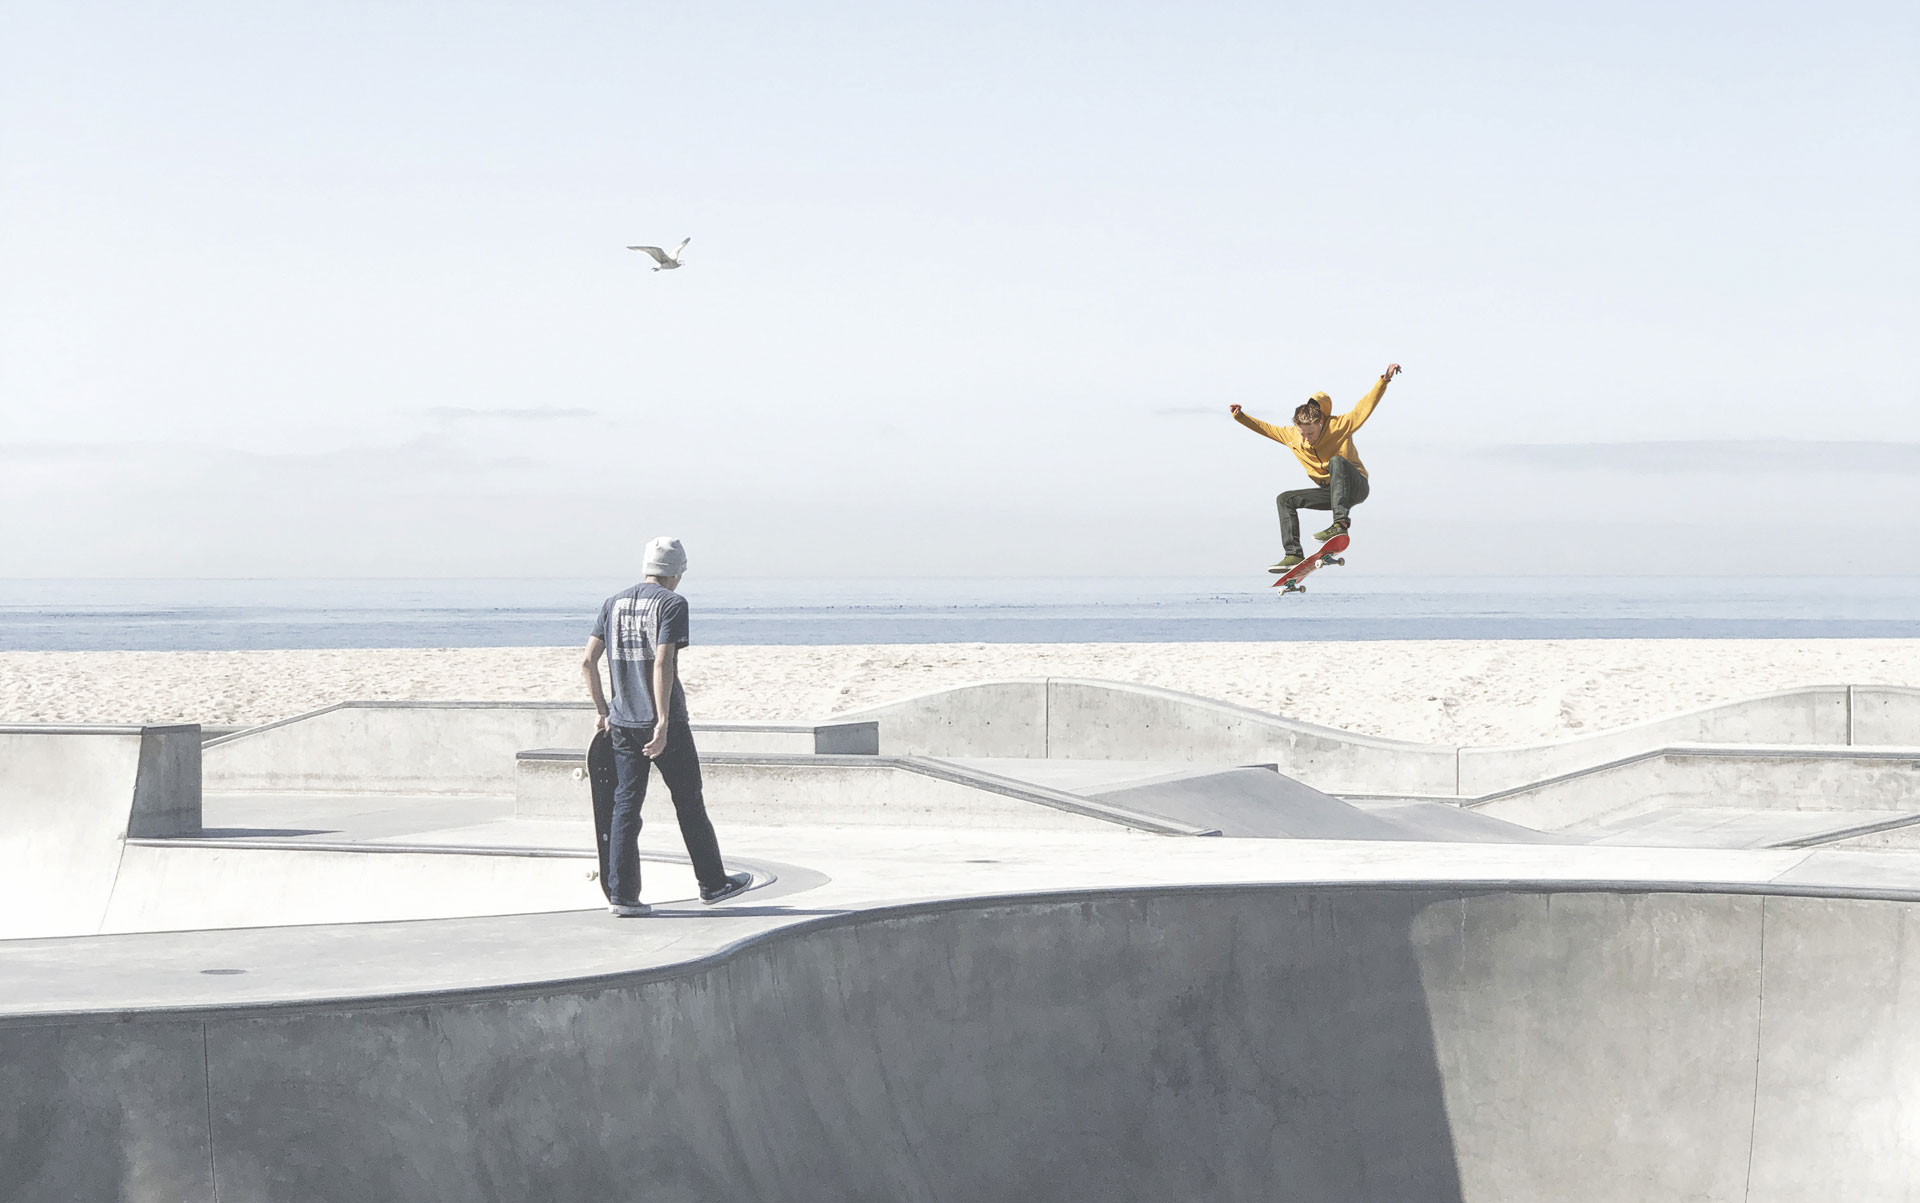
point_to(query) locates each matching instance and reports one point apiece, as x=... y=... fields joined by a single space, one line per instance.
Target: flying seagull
x=667 y=262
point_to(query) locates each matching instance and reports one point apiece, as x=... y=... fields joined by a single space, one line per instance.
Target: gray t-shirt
x=632 y=624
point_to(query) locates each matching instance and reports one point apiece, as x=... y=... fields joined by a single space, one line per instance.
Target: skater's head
x=666 y=561
x=1311 y=418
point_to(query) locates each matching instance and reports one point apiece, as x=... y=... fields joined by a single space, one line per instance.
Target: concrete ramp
x=1247 y=801
x=69 y=798
x=1450 y=823
x=1753 y=779
x=1742 y=827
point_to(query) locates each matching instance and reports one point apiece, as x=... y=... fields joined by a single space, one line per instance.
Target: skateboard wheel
x=579 y=774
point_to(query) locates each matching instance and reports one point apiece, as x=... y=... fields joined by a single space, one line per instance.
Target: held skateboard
x=602 y=776
x=1293 y=577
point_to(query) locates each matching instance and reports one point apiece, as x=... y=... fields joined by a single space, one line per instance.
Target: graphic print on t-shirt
x=632 y=625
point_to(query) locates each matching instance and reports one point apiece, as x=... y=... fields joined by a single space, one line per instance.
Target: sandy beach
x=1480 y=692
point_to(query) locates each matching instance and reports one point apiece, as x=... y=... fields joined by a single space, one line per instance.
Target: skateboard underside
x=1327 y=553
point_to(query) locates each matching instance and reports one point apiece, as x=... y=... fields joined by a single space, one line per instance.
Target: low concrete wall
x=1884 y=715
x=1071 y=719
x=1797 y=716
x=1068 y=718
x=394 y=747
x=1368 y=1044
x=1752 y=778
x=69 y=797
x=454 y=747
x=840 y=791
x=994 y=718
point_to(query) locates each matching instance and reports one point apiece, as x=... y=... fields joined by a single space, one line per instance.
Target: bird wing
x=681 y=247
x=658 y=254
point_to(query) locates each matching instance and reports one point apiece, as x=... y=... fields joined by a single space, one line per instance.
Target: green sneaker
x=1287 y=563
x=1338 y=528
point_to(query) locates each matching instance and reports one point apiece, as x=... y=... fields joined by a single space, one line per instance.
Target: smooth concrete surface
x=1070 y=719
x=1448 y=822
x=1885 y=715
x=1169 y=797
x=1067 y=718
x=1754 y=778
x=456 y=747
x=69 y=796
x=1819 y=715
x=1737 y=827
x=1325 y=1041
x=894 y=791
x=179 y=886
x=1248 y=801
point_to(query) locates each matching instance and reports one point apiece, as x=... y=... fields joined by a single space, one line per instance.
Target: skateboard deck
x=602 y=776
x=1328 y=553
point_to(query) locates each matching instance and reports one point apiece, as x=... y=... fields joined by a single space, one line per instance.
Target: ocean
x=222 y=615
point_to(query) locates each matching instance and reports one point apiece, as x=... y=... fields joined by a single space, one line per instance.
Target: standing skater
x=1323 y=443
x=642 y=631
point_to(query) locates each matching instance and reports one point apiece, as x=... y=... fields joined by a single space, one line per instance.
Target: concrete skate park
x=1049 y=939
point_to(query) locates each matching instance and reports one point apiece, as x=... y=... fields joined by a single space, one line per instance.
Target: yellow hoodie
x=1336 y=437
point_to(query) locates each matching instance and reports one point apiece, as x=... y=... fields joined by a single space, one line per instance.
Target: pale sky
x=340 y=288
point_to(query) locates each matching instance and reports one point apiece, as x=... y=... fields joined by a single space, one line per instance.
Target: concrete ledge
x=1790 y=778
x=772 y=790
x=452 y=747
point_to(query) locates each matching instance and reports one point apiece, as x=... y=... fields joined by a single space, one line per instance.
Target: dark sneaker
x=1285 y=564
x=630 y=910
x=1338 y=528
x=736 y=883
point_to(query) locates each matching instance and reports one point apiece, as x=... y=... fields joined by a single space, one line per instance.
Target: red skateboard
x=1327 y=554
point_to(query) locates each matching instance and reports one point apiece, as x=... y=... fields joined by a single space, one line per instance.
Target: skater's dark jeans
x=680 y=768
x=1346 y=487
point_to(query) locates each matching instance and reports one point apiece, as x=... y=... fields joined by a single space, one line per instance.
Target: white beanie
x=665 y=557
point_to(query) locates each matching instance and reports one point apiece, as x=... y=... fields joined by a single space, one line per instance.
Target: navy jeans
x=680 y=769
x=1345 y=487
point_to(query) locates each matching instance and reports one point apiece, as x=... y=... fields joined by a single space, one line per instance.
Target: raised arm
x=1277 y=433
x=1362 y=409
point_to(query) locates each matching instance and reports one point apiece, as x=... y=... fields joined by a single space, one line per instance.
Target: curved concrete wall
x=1361 y=1043
x=69 y=798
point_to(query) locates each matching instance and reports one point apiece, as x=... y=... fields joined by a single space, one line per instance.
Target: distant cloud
x=383 y=463
x=462 y=413
x=1784 y=456
x=1190 y=411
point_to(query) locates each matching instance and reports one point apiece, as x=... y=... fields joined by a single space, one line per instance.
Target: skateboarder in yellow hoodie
x=1323 y=443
